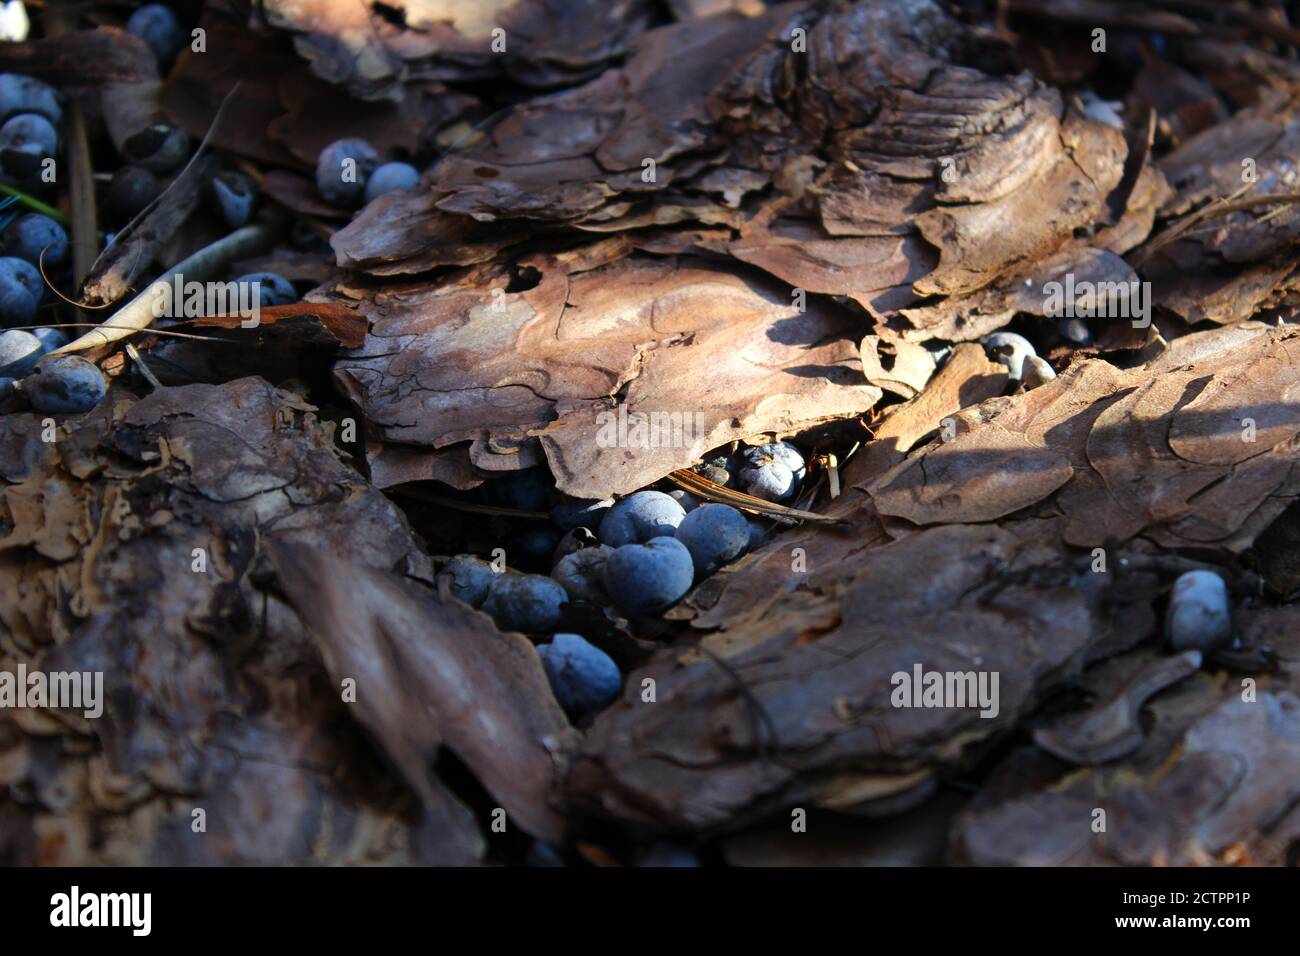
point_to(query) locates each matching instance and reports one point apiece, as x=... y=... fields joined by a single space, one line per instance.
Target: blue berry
x=640 y=517
x=51 y=339
x=21 y=290
x=651 y=577
x=714 y=535
x=389 y=177
x=65 y=384
x=580 y=513
x=26 y=140
x=273 y=289
x=537 y=542
x=525 y=602
x=235 y=194
x=582 y=574
x=684 y=498
x=24 y=94
x=342 y=170
x=157 y=26
x=758 y=533
x=131 y=189
x=470 y=578
x=159 y=148
x=7 y=387
x=526 y=490
x=772 y=471
x=30 y=234
x=583 y=677
x=19 y=351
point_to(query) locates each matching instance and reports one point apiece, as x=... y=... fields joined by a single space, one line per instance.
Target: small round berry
x=583 y=678
x=525 y=602
x=714 y=534
x=32 y=234
x=649 y=578
x=470 y=578
x=272 y=288
x=157 y=26
x=65 y=384
x=342 y=170
x=21 y=291
x=131 y=189
x=390 y=177
x=640 y=517
x=25 y=94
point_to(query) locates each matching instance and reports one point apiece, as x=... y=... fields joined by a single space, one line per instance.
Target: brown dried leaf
x=430 y=672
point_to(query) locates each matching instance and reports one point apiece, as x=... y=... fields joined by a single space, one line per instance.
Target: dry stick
x=212 y=260
x=1221 y=207
x=83 y=222
x=701 y=486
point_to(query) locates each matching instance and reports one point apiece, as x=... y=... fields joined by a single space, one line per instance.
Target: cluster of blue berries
x=349 y=174
x=639 y=555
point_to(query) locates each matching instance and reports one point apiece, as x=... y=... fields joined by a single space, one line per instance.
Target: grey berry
x=582 y=574
x=772 y=471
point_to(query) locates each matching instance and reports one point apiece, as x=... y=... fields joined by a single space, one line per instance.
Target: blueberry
x=21 y=290
x=758 y=533
x=19 y=351
x=157 y=26
x=234 y=194
x=714 y=535
x=640 y=517
x=772 y=471
x=718 y=467
x=273 y=289
x=579 y=513
x=1199 y=616
x=51 y=339
x=131 y=189
x=30 y=234
x=470 y=578
x=525 y=602
x=65 y=384
x=583 y=677
x=582 y=574
x=23 y=94
x=526 y=490
x=537 y=542
x=342 y=170
x=160 y=148
x=25 y=141
x=684 y=498
x=389 y=177
x=7 y=387
x=648 y=578
x=572 y=541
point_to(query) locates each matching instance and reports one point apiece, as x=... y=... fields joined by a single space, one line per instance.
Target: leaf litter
x=726 y=225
